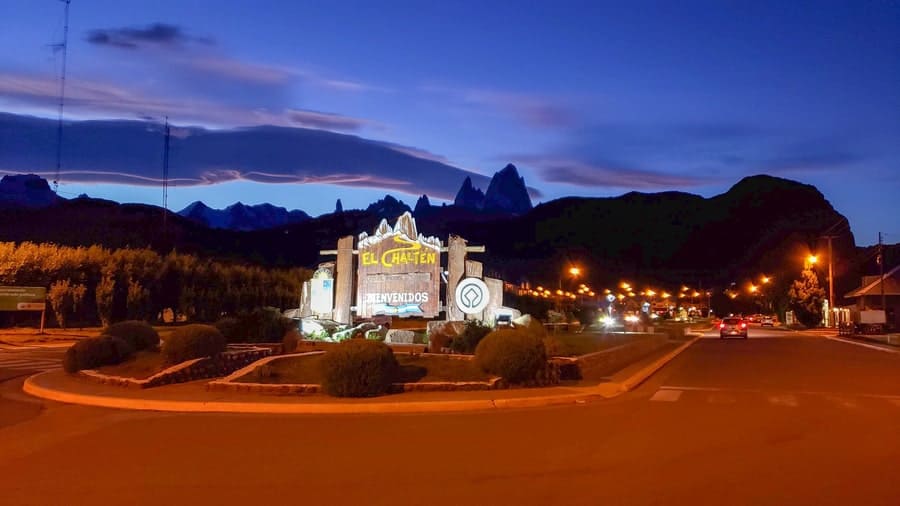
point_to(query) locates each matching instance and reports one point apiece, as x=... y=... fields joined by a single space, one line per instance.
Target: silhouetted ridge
x=507 y=192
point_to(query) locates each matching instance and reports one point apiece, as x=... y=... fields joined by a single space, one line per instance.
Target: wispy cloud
x=532 y=110
x=153 y=35
x=201 y=60
x=580 y=173
x=97 y=99
x=230 y=68
x=129 y=152
x=326 y=121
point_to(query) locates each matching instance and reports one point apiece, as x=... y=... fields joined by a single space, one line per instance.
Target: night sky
x=353 y=100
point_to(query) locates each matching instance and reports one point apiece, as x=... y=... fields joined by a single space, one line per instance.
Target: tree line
x=90 y=285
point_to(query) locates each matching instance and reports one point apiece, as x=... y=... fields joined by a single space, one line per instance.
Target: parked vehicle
x=767 y=321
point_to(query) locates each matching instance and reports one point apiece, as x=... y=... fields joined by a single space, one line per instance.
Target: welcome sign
x=399 y=271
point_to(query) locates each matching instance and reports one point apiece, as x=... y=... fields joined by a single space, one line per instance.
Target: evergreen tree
x=338 y=207
x=806 y=298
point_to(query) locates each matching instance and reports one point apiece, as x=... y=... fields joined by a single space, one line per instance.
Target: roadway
x=780 y=418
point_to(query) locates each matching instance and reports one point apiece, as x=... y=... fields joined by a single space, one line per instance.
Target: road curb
x=864 y=345
x=604 y=391
x=641 y=376
x=580 y=395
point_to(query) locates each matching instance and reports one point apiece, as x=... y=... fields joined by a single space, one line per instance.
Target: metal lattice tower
x=62 y=96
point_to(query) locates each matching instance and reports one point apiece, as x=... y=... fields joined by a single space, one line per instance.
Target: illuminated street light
x=812 y=259
x=766 y=279
x=753 y=288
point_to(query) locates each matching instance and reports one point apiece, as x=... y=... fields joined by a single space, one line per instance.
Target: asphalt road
x=775 y=419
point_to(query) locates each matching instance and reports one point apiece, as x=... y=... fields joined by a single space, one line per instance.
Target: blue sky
x=586 y=98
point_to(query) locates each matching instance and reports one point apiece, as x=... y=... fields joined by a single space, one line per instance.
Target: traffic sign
x=12 y=298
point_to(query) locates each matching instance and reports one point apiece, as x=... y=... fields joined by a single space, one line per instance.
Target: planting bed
x=304 y=369
x=141 y=366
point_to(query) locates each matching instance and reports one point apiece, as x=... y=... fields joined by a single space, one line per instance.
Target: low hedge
x=470 y=337
x=96 y=352
x=261 y=325
x=358 y=368
x=193 y=341
x=140 y=335
x=515 y=355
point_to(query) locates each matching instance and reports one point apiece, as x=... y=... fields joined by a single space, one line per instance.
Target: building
x=868 y=295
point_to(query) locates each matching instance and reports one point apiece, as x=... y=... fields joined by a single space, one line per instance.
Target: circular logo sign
x=611 y=297
x=472 y=295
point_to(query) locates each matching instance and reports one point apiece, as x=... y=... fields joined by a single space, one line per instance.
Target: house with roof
x=869 y=295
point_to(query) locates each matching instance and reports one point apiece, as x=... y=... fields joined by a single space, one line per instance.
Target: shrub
x=193 y=341
x=468 y=340
x=290 y=342
x=140 y=335
x=553 y=347
x=358 y=368
x=513 y=354
x=229 y=326
x=96 y=352
x=261 y=325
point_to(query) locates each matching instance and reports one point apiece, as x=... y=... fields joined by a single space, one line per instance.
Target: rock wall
x=191 y=370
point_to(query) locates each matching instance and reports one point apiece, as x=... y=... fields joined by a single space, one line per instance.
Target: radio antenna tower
x=165 y=174
x=62 y=96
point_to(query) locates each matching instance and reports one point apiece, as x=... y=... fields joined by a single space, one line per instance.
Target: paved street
x=29 y=359
x=779 y=418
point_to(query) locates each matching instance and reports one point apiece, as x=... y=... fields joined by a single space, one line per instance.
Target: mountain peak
x=26 y=190
x=423 y=206
x=468 y=196
x=507 y=192
x=240 y=216
x=388 y=207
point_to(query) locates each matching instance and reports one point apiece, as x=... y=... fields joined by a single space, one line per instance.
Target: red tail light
x=743 y=325
x=722 y=325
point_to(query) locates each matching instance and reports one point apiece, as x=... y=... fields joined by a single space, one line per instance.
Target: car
x=733 y=326
x=767 y=321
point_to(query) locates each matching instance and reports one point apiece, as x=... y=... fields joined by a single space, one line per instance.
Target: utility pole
x=165 y=182
x=831 y=303
x=881 y=266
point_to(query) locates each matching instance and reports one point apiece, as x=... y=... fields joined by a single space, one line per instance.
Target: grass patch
x=420 y=368
x=573 y=345
x=413 y=369
x=141 y=366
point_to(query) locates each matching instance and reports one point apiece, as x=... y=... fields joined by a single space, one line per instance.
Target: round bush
x=358 y=368
x=473 y=333
x=261 y=325
x=230 y=327
x=193 y=341
x=140 y=335
x=514 y=355
x=96 y=352
x=290 y=342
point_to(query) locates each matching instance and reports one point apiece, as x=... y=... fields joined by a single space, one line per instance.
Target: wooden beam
x=469 y=249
